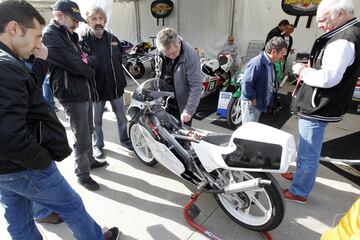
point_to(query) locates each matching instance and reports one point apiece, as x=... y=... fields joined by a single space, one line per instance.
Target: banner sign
x=300 y=7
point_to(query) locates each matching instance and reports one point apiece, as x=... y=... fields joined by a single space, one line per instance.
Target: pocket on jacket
x=51 y=135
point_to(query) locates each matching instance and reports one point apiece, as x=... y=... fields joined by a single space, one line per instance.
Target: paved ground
x=146 y=202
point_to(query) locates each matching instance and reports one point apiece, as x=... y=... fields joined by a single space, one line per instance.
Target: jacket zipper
x=66 y=79
x=112 y=66
x=77 y=50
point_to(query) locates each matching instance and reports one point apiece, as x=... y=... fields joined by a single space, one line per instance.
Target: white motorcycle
x=216 y=74
x=235 y=168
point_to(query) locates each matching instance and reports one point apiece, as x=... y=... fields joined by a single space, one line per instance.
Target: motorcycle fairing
x=254 y=154
x=162 y=153
x=212 y=156
x=225 y=62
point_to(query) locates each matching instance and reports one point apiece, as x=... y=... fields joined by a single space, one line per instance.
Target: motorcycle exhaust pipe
x=246 y=185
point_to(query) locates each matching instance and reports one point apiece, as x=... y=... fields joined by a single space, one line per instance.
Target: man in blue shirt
x=257 y=85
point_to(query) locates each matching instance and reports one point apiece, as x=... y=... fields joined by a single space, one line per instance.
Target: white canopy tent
x=207 y=23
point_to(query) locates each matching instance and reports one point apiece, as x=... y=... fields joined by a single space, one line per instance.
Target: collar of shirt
x=268 y=61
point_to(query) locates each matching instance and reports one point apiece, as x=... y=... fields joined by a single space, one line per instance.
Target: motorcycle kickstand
x=191 y=211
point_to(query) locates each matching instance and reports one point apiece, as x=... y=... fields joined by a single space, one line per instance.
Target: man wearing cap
x=72 y=82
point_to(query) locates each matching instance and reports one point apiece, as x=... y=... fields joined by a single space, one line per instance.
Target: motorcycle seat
x=159 y=94
x=207 y=70
x=218 y=139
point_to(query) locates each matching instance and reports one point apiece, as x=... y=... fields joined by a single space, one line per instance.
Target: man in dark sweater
x=110 y=79
x=328 y=83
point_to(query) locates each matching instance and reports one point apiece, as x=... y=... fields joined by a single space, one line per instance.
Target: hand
x=185 y=117
x=296 y=68
x=253 y=102
x=93 y=61
x=41 y=52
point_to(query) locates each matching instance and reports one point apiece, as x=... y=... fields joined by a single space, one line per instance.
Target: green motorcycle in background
x=233 y=113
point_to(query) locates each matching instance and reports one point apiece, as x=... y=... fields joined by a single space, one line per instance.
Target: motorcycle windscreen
x=254 y=154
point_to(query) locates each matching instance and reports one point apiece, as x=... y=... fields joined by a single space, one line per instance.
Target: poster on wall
x=300 y=7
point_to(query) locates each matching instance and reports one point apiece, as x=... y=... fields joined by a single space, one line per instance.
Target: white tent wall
x=206 y=23
x=203 y=23
x=148 y=25
x=123 y=20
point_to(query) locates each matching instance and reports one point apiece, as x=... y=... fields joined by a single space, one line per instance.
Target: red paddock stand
x=193 y=210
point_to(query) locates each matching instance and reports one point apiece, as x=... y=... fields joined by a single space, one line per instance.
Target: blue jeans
x=119 y=110
x=81 y=124
x=18 y=190
x=40 y=211
x=249 y=113
x=311 y=137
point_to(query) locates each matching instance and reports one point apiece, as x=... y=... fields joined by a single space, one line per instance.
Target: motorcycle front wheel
x=137 y=70
x=233 y=113
x=140 y=145
x=262 y=209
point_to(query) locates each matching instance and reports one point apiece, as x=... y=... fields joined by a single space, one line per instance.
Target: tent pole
x=137 y=16
x=232 y=15
x=178 y=15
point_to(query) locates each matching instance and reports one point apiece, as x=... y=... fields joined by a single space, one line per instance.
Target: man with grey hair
x=258 y=82
x=328 y=83
x=110 y=78
x=178 y=64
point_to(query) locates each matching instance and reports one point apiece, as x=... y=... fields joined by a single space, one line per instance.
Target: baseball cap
x=70 y=8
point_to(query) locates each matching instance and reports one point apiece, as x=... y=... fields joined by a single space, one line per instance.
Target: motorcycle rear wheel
x=140 y=146
x=233 y=113
x=136 y=70
x=258 y=210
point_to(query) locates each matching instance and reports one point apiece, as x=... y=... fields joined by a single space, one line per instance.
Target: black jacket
x=110 y=78
x=31 y=136
x=71 y=78
x=289 y=45
x=275 y=32
x=330 y=104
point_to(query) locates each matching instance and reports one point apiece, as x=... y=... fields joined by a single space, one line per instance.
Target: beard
x=98 y=30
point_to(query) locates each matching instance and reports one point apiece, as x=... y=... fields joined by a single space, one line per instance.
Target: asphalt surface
x=147 y=202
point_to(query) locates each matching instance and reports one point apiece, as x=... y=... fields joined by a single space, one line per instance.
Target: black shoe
x=98 y=152
x=53 y=218
x=112 y=234
x=98 y=164
x=127 y=145
x=89 y=183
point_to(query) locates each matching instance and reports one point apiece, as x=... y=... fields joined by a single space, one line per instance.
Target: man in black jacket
x=328 y=83
x=72 y=82
x=31 y=135
x=277 y=31
x=289 y=40
x=110 y=79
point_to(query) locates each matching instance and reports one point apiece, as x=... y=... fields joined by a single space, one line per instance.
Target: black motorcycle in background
x=139 y=55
